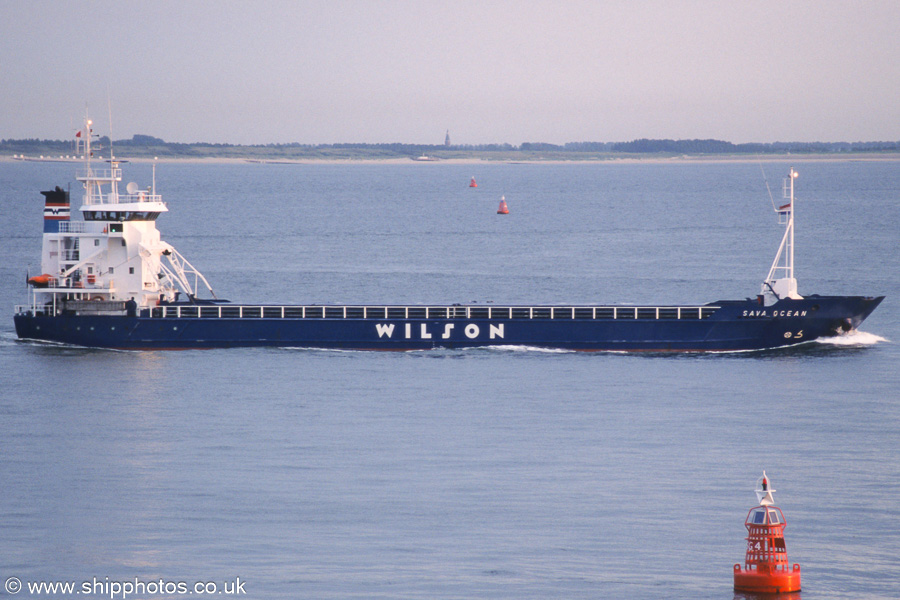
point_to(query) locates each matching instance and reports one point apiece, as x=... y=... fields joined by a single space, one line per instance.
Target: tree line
x=146 y=145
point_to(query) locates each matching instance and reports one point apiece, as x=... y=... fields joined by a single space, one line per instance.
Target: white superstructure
x=114 y=254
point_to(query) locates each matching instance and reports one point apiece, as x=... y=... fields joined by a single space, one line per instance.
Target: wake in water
x=8 y=338
x=853 y=339
x=538 y=349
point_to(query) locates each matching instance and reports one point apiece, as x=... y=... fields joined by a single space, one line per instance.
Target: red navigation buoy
x=503 y=210
x=766 y=569
x=472 y=183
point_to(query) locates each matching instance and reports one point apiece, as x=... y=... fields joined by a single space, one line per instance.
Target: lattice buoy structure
x=473 y=183
x=504 y=209
x=766 y=569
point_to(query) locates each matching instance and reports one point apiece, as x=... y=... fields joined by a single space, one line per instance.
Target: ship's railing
x=88 y=284
x=110 y=199
x=140 y=197
x=99 y=174
x=80 y=307
x=434 y=312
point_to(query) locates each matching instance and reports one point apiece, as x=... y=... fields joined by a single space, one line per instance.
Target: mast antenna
x=780 y=282
x=766 y=180
x=109 y=109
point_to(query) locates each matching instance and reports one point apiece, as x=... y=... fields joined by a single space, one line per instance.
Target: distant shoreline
x=610 y=160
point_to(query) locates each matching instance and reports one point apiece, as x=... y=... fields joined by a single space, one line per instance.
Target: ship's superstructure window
x=116 y=215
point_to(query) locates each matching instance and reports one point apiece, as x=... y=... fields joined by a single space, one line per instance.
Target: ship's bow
x=861 y=308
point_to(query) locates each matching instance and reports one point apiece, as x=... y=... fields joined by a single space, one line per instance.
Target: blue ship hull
x=720 y=326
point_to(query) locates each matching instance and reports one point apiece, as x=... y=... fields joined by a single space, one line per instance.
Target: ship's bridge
x=130 y=210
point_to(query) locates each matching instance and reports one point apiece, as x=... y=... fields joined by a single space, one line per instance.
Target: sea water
x=486 y=473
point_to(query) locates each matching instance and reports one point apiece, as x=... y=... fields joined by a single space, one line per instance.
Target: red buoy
x=472 y=183
x=766 y=569
x=503 y=210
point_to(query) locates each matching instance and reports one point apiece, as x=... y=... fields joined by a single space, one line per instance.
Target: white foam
x=514 y=348
x=853 y=338
x=8 y=337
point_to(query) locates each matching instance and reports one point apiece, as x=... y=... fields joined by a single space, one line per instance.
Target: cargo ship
x=108 y=280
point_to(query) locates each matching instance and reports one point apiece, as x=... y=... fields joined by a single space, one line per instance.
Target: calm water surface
x=499 y=473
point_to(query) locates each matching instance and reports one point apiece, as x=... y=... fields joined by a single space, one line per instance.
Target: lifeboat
x=503 y=210
x=40 y=281
x=766 y=569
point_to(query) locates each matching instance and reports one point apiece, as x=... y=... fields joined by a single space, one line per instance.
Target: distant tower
x=447 y=138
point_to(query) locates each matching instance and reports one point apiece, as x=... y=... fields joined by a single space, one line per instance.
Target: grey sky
x=406 y=71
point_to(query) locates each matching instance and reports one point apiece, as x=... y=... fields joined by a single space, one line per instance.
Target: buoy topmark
x=766 y=569
x=503 y=210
